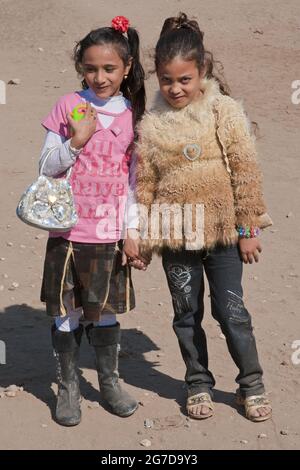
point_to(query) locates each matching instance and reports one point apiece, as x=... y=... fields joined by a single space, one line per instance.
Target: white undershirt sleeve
x=61 y=158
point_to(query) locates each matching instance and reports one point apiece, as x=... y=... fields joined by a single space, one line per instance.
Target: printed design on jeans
x=235 y=305
x=179 y=277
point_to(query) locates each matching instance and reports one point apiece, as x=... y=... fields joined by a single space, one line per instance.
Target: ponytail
x=133 y=87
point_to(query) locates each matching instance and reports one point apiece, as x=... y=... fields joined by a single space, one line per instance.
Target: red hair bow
x=120 y=23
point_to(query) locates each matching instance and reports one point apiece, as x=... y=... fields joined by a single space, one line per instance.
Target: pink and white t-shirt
x=99 y=175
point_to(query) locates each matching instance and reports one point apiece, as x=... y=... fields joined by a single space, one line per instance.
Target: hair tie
x=120 y=23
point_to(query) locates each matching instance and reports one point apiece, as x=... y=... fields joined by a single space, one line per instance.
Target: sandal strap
x=255 y=402
x=202 y=398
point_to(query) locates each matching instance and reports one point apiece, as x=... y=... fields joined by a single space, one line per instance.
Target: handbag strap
x=49 y=152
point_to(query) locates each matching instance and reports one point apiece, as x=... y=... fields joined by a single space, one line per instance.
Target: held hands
x=250 y=249
x=83 y=129
x=131 y=252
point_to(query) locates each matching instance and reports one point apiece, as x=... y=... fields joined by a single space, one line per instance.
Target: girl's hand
x=131 y=252
x=250 y=249
x=83 y=129
x=142 y=262
x=134 y=263
x=138 y=264
x=131 y=244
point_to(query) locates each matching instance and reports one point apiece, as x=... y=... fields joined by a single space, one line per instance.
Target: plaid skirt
x=94 y=273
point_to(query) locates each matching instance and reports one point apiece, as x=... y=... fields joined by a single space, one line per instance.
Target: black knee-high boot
x=105 y=341
x=66 y=349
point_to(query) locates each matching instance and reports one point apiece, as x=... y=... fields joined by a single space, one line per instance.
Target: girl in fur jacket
x=201 y=207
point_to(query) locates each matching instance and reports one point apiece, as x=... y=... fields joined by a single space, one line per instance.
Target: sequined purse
x=48 y=203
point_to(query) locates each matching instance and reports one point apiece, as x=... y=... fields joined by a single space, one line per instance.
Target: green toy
x=79 y=111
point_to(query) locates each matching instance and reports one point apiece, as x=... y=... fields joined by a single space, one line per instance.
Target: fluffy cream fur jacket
x=197 y=173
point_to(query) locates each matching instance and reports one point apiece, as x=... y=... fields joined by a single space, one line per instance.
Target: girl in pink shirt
x=85 y=272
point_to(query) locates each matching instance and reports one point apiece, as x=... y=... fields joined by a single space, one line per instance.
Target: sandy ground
x=258 y=43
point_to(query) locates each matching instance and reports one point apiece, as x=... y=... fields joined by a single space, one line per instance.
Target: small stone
x=262 y=436
x=148 y=423
x=289 y=215
x=5 y=276
x=23 y=246
x=14 y=81
x=14 y=286
x=63 y=31
x=284 y=432
x=9 y=244
x=1 y=288
x=63 y=71
x=44 y=425
x=11 y=394
x=2 y=259
x=244 y=441
x=145 y=443
x=11 y=388
x=93 y=405
x=293 y=275
x=160 y=355
x=8 y=226
x=258 y=31
x=40 y=236
x=221 y=336
x=160 y=303
x=40 y=49
x=32 y=285
x=141 y=403
x=284 y=363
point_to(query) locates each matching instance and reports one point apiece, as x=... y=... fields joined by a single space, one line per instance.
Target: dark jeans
x=223 y=268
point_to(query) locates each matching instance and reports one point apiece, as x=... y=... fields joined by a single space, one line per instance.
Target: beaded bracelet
x=248 y=232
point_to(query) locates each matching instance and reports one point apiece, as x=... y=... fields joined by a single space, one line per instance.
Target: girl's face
x=180 y=81
x=104 y=70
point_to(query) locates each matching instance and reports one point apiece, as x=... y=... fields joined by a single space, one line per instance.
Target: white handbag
x=48 y=202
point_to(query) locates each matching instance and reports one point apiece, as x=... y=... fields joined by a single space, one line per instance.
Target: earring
x=125 y=77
